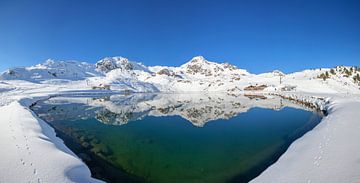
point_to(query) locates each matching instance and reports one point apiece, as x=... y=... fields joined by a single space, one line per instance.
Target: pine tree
x=357 y=78
x=324 y=76
x=332 y=71
x=347 y=72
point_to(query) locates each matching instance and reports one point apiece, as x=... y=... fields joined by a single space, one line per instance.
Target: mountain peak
x=198 y=58
x=199 y=65
x=108 y=64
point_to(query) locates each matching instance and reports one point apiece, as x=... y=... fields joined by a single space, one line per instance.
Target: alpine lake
x=177 y=138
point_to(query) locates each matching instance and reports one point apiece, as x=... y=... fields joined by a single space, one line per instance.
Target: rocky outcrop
x=111 y=63
x=255 y=87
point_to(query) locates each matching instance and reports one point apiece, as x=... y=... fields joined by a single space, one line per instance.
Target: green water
x=168 y=148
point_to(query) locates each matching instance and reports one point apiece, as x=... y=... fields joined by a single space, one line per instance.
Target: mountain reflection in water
x=148 y=137
x=196 y=108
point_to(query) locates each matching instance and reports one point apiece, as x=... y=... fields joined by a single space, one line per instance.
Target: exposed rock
x=111 y=63
x=255 y=88
x=166 y=72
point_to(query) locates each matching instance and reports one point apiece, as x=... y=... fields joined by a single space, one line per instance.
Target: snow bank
x=31 y=152
x=328 y=153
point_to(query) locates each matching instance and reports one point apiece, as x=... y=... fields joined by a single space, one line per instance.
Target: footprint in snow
x=316 y=163
x=22 y=162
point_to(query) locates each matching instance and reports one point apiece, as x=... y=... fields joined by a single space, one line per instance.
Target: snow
x=328 y=153
x=30 y=149
x=72 y=70
x=196 y=75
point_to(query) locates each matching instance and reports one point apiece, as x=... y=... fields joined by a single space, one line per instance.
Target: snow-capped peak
x=110 y=63
x=198 y=60
x=198 y=74
x=199 y=65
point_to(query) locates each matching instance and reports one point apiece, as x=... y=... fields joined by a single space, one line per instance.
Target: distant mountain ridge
x=198 y=74
x=51 y=69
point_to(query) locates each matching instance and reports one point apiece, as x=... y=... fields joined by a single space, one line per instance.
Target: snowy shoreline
x=33 y=151
x=328 y=153
x=72 y=169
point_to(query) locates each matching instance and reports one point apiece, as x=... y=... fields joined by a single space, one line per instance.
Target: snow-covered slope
x=70 y=70
x=331 y=80
x=198 y=74
x=122 y=74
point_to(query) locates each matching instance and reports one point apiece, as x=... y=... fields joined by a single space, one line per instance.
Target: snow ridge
x=196 y=75
x=51 y=69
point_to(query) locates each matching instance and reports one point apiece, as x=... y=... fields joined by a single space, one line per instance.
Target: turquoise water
x=126 y=140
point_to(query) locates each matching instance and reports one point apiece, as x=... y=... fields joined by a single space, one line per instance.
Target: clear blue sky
x=256 y=35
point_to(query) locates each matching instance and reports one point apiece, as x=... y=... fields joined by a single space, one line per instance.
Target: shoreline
x=328 y=153
x=277 y=172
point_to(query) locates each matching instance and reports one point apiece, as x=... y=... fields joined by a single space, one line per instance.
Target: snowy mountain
x=122 y=74
x=112 y=63
x=70 y=70
x=200 y=66
x=198 y=74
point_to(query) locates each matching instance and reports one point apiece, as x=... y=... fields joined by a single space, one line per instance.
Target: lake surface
x=177 y=137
